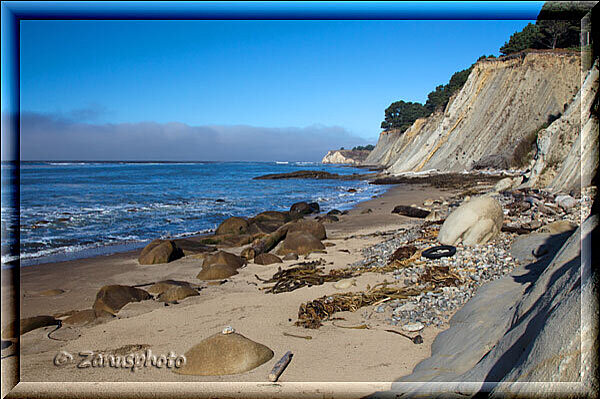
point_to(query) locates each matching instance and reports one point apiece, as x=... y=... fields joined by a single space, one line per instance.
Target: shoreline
x=259 y=316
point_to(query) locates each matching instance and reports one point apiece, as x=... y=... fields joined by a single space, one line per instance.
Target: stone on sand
x=160 y=252
x=225 y=258
x=217 y=271
x=112 y=298
x=233 y=225
x=301 y=243
x=560 y=226
x=566 y=202
x=224 y=354
x=177 y=293
x=85 y=317
x=267 y=259
x=291 y=256
x=164 y=285
x=474 y=222
x=310 y=226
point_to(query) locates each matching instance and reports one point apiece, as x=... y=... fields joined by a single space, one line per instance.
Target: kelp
x=304 y=274
x=312 y=313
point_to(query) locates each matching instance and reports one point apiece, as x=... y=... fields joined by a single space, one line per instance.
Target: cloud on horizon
x=55 y=137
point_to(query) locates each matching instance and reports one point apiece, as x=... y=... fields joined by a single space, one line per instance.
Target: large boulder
x=112 y=298
x=474 y=222
x=304 y=208
x=161 y=286
x=160 y=251
x=223 y=354
x=222 y=257
x=301 y=243
x=233 y=225
x=310 y=226
x=218 y=271
x=177 y=293
x=267 y=259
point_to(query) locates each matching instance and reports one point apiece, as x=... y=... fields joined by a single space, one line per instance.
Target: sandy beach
x=332 y=354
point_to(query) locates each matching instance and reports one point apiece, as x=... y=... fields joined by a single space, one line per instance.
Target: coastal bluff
x=517 y=112
x=347 y=157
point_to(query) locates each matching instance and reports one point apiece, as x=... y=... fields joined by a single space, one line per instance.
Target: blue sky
x=267 y=74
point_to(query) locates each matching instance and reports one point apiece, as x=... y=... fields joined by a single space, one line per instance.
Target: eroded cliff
x=495 y=120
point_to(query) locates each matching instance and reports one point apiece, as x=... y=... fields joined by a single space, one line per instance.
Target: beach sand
x=333 y=354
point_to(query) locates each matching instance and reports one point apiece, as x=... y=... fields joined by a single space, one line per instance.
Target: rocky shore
x=370 y=270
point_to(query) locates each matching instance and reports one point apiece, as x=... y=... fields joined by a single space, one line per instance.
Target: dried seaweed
x=306 y=274
x=311 y=314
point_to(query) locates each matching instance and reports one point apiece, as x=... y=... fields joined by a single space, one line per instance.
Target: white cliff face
x=349 y=157
x=568 y=148
x=502 y=102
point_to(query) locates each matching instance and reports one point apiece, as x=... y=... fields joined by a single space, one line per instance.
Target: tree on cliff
x=442 y=93
x=558 y=25
x=400 y=115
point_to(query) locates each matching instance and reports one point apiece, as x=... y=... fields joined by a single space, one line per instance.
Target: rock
x=507 y=183
x=428 y=202
x=473 y=222
x=558 y=227
x=53 y=292
x=328 y=219
x=291 y=256
x=226 y=258
x=528 y=247
x=304 y=208
x=344 y=284
x=310 y=226
x=192 y=246
x=178 y=293
x=351 y=190
x=301 y=243
x=566 y=202
x=232 y=225
x=434 y=216
x=407 y=307
x=267 y=222
x=86 y=317
x=160 y=252
x=162 y=286
x=334 y=212
x=413 y=327
x=365 y=211
x=217 y=271
x=410 y=211
x=267 y=259
x=26 y=325
x=223 y=354
x=111 y=298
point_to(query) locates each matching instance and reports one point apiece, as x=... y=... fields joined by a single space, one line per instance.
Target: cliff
x=496 y=118
x=351 y=157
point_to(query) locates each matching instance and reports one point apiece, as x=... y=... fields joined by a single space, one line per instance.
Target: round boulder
x=304 y=208
x=267 y=259
x=310 y=226
x=162 y=286
x=301 y=243
x=216 y=271
x=223 y=354
x=112 y=298
x=233 y=225
x=225 y=258
x=474 y=222
x=85 y=317
x=178 y=293
x=160 y=252
x=26 y=325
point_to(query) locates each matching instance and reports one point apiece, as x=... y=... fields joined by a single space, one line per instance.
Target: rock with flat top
x=112 y=298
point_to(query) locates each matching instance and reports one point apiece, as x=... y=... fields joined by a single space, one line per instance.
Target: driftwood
x=266 y=243
x=280 y=366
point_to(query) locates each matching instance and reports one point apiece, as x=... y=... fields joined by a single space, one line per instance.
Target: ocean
x=71 y=210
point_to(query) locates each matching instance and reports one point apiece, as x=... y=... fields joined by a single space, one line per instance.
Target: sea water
x=71 y=210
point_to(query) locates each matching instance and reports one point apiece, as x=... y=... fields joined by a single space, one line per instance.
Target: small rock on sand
x=413 y=327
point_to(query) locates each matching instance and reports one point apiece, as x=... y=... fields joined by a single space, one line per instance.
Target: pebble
x=413 y=327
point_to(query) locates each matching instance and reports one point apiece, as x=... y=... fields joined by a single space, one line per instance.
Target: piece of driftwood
x=280 y=366
x=418 y=339
x=266 y=243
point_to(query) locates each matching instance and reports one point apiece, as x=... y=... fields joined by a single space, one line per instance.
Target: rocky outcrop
x=348 y=157
x=539 y=324
x=494 y=119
